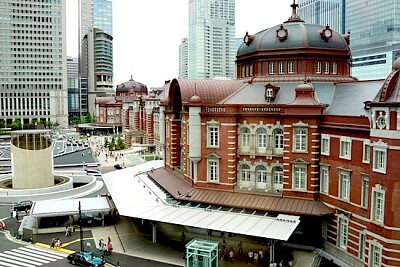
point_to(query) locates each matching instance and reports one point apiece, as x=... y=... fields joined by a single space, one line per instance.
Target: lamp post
x=80 y=226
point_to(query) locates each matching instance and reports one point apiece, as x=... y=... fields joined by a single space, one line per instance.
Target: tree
x=120 y=143
x=16 y=125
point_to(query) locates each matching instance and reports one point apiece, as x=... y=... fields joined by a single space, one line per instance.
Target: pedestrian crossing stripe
x=28 y=256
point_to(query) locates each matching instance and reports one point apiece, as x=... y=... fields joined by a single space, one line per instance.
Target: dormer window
x=270 y=92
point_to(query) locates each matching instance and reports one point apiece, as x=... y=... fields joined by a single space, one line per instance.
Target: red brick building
x=294 y=134
x=130 y=112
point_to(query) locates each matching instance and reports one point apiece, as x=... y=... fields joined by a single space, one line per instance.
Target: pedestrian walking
x=53 y=240
x=240 y=247
x=250 y=255
x=261 y=256
x=231 y=255
x=183 y=237
x=255 y=257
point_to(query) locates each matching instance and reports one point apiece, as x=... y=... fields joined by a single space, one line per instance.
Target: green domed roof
x=299 y=35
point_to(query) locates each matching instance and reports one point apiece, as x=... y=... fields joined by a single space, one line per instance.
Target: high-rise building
x=73 y=87
x=183 y=59
x=33 y=76
x=211 y=39
x=375 y=36
x=96 y=66
x=96 y=52
x=96 y=14
x=324 y=12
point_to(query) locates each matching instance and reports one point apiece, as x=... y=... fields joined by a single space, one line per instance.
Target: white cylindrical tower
x=31 y=159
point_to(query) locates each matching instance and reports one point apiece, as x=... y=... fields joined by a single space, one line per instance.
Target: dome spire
x=294 y=17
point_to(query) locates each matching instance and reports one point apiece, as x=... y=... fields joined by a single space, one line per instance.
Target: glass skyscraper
x=96 y=14
x=324 y=12
x=96 y=52
x=374 y=38
x=211 y=43
x=33 y=62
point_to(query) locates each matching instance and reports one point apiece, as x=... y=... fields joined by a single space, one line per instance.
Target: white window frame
x=167 y=128
x=380 y=157
x=324 y=173
x=343 y=231
x=378 y=204
x=300 y=135
x=334 y=68
x=245 y=174
x=279 y=139
x=213 y=170
x=344 y=184
x=261 y=174
x=299 y=176
x=366 y=151
x=345 y=148
x=271 y=67
x=375 y=254
x=245 y=137
x=326 y=68
x=281 y=67
x=364 y=190
x=262 y=138
x=213 y=135
x=318 y=67
x=325 y=144
x=362 y=245
x=277 y=175
x=270 y=92
x=290 y=67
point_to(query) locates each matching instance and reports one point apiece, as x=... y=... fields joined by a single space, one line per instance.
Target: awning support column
x=153 y=231
x=272 y=251
x=209 y=234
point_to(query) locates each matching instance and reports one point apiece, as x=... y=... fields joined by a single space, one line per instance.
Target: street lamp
x=80 y=226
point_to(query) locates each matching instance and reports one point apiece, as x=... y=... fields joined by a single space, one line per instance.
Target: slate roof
x=349 y=98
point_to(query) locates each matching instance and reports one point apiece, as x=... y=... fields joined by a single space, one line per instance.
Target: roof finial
x=294 y=17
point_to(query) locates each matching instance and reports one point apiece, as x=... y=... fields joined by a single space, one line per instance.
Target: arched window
x=277 y=175
x=262 y=138
x=245 y=137
x=261 y=174
x=245 y=173
x=278 y=138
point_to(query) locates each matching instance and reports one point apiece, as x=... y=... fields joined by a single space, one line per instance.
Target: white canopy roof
x=50 y=208
x=135 y=195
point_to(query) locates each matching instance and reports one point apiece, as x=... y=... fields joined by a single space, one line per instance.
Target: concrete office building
x=324 y=12
x=183 y=59
x=211 y=39
x=96 y=51
x=33 y=76
x=375 y=37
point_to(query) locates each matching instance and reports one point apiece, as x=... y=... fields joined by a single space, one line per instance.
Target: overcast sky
x=147 y=34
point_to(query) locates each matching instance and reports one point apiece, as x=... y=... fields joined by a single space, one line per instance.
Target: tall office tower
x=73 y=88
x=96 y=14
x=33 y=63
x=183 y=59
x=96 y=66
x=324 y=12
x=211 y=48
x=374 y=38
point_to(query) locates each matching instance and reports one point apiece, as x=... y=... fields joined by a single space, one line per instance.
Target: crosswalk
x=29 y=256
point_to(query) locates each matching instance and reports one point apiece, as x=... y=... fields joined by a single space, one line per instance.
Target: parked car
x=85 y=258
x=118 y=166
x=23 y=205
